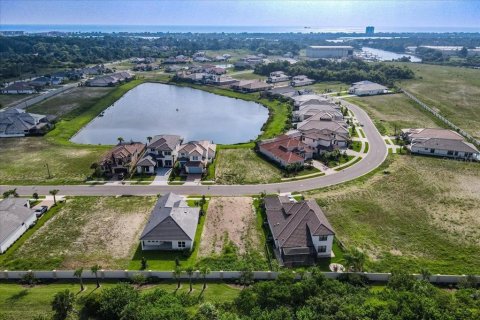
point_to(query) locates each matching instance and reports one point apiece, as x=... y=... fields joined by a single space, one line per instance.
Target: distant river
x=152 y=108
x=383 y=55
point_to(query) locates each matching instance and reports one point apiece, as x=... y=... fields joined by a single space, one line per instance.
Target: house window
x=194 y=158
x=167 y=153
x=152 y=150
x=322 y=238
x=181 y=244
x=450 y=153
x=322 y=249
x=432 y=150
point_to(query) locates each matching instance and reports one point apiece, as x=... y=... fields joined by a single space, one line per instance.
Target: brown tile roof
x=292 y=224
x=124 y=150
x=286 y=148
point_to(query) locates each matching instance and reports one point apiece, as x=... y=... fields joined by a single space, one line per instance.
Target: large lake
x=151 y=108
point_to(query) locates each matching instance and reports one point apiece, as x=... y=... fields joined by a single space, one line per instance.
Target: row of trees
x=345 y=71
x=313 y=297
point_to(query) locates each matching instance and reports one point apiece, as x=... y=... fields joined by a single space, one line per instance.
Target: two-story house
x=162 y=151
x=300 y=230
x=122 y=158
x=194 y=156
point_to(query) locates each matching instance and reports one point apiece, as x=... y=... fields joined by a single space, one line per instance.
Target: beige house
x=195 y=156
x=122 y=158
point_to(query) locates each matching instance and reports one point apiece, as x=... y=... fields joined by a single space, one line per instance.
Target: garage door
x=194 y=170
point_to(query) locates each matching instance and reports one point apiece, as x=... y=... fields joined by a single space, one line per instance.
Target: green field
x=23 y=302
x=244 y=166
x=328 y=86
x=454 y=91
x=84 y=232
x=10 y=99
x=78 y=100
x=411 y=213
x=392 y=112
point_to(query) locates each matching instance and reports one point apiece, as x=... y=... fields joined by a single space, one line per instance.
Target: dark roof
x=293 y=224
x=17 y=121
x=13 y=213
x=171 y=219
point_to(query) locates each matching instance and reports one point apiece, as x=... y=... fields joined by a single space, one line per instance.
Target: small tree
x=426 y=274
x=177 y=273
x=78 y=274
x=189 y=270
x=35 y=196
x=62 y=304
x=204 y=272
x=54 y=192
x=120 y=140
x=149 y=139
x=144 y=263
x=246 y=277
x=355 y=259
x=95 y=270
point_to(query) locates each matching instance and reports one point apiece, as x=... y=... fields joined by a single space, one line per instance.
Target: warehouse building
x=336 y=52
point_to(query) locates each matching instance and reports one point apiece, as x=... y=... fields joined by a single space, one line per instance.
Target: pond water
x=383 y=55
x=152 y=108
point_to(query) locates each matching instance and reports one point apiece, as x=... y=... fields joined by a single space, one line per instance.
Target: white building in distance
x=336 y=52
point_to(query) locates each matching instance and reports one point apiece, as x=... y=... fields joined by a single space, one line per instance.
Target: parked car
x=41 y=211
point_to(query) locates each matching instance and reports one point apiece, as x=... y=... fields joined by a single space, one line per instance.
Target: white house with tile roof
x=161 y=151
x=16 y=217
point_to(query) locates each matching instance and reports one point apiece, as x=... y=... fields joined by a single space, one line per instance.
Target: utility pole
x=48 y=171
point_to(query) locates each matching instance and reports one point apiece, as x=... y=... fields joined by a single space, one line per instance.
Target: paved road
x=376 y=155
x=52 y=92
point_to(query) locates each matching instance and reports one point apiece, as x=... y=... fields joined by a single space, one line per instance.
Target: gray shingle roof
x=293 y=224
x=446 y=144
x=171 y=219
x=165 y=142
x=12 y=214
x=15 y=121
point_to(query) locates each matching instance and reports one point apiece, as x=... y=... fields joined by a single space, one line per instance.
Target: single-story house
x=251 y=86
x=110 y=79
x=122 y=158
x=16 y=217
x=40 y=82
x=195 y=156
x=440 y=143
x=286 y=150
x=19 y=88
x=367 y=88
x=301 y=80
x=301 y=232
x=18 y=123
x=161 y=151
x=172 y=225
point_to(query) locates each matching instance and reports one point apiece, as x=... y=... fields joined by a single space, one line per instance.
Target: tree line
x=346 y=71
x=312 y=297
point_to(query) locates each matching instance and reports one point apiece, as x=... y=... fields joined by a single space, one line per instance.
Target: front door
x=159 y=163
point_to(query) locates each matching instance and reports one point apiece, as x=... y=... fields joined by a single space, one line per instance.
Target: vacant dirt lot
x=416 y=212
x=88 y=230
x=229 y=219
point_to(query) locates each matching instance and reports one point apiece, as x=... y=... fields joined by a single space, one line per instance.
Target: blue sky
x=244 y=13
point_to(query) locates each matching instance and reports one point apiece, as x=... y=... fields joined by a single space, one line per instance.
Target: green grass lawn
x=74 y=101
x=248 y=76
x=244 y=166
x=10 y=99
x=454 y=91
x=328 y=86
x=21 y=302
x=367 y=146
x=412 y=212
x=83 y=232
x=392 y=112
x=356 y=146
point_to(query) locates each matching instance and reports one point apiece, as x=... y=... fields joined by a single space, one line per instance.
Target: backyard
x=86 y=231
x=454 y=91
x=413 y=212
x=392 y=112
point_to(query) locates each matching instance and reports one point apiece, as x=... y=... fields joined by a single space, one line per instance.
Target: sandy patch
x=229 y=218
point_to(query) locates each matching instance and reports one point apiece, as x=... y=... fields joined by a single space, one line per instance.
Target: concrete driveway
x=161 y=177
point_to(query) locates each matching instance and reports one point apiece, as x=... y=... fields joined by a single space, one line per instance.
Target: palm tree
x=426 y=274
x=189 y=271
x=149 y=139
x=78 y=274
x=355 y=259
x=120 y=140
x=54 y=193
x=204 y=271
x=95 y=270
x=177 y=273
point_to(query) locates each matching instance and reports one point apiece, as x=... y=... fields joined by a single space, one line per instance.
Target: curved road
x=375 y=156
